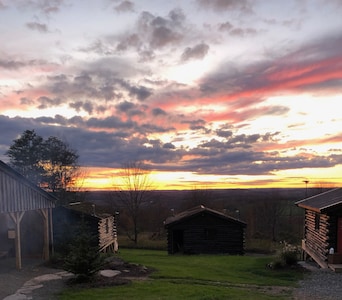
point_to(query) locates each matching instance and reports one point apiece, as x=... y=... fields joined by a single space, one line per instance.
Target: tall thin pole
x=306 y=187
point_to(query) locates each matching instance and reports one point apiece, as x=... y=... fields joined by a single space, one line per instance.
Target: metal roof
x=322 y=201
x=197 y=210
x=19 y=194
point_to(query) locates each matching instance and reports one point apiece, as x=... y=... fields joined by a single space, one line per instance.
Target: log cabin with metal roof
x=204 y=230
x=322 y=239
x=25 y=217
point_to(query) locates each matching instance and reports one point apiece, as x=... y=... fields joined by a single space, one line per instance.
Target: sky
x=206 y=93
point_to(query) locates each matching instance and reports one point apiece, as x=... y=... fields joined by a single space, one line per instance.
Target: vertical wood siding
x=18 y=194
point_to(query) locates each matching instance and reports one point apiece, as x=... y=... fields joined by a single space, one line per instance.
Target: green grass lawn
x=197 y=277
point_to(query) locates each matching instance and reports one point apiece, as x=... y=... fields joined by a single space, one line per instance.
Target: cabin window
x=317 y=221
x=210 y=233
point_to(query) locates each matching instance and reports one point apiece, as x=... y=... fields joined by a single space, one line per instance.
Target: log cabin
x=322 y=239
x=204 y=230
x=100 y=224
x=25 y=217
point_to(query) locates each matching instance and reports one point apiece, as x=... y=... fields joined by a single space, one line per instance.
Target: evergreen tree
x=83 y=259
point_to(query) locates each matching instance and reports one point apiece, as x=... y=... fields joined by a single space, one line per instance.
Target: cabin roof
x=322 y=201
x=88 y=209
x=197 y=210
x=17 y=193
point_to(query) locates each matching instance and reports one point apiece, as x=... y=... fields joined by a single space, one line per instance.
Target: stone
x=109 y=273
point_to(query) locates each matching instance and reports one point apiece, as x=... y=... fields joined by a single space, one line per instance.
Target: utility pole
x=306 y=187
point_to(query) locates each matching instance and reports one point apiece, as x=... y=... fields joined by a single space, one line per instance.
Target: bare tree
x=133 y=193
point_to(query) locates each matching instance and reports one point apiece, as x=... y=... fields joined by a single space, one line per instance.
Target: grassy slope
x=197 y=277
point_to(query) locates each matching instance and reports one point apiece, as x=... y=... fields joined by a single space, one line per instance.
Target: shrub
x=290 y=258
x=83 y=258
x=290 y=254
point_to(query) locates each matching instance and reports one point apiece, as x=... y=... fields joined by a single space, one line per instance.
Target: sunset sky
x=207 y=93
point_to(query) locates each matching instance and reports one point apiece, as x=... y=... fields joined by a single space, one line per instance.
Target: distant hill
x=173 y=199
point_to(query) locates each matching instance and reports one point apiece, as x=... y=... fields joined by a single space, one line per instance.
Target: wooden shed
x=204 y=230
x=101 y=225
x=323 y=227
x=25 y=217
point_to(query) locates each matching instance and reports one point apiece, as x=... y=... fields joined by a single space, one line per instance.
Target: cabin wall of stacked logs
x=322 y=237
x=107 y=233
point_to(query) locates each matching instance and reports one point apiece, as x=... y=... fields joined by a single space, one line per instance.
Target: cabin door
x=339 y=235
x=178 y=242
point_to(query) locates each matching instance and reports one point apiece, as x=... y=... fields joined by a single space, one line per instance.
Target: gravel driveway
x=320 y=284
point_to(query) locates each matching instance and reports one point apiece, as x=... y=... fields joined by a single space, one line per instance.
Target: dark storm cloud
x=97 y=84
x=236 y=141
x=169 y=146
x=125 y=6
x=86 y=106
x=154 y=32
x=224 y=133
x=241 y=32
x=26 y=101
x=37 y=26
x=125 y=106
x=227 y=26
x=110 y=148
x=224 y=5
x=141 y=92
x=132 y=40
x=12 y=64
x=197 y=52
x=158 y=112
x=244 y=162
x=45 y=102
x=46 y=7
x=112 y=122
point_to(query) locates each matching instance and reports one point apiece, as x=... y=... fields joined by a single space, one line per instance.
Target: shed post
x=17 y=217
x=46 y=251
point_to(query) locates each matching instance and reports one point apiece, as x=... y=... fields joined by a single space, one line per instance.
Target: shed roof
x=197 y=210
x=19 y=194
x=323 y=201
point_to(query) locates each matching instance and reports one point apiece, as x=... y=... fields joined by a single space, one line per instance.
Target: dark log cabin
x=204 y=230
x=101 y=225
x=25 y=217
x=323 y=227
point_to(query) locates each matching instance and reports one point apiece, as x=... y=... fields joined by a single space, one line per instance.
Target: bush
x=83 y=258
x=290 y=254
x=290 y=258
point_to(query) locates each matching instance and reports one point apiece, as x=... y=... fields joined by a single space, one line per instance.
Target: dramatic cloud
x=37 y=26
x=223 y=90
x=125 y=6
x=197 y=52
x=223 y=5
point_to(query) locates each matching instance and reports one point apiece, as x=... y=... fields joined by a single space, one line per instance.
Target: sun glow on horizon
x=104 y=179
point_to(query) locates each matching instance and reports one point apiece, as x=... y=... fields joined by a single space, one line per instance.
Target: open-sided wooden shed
x=25 y=212
x=323 y=227
x=204 y=230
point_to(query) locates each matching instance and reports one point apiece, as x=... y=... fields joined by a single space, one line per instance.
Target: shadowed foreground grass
x=197 y=277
